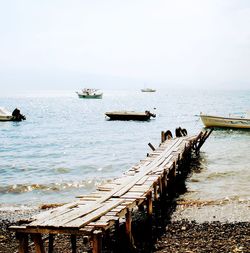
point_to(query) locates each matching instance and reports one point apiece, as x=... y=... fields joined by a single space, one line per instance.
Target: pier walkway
x=110 y=204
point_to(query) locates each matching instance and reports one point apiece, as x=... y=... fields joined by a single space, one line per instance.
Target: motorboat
x=232 y=121
x=148 y=90
x=89 y=93
x=5 y=115
x=130 y=115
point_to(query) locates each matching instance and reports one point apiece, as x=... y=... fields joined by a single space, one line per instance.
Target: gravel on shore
x=180 y=236
x=192 y=237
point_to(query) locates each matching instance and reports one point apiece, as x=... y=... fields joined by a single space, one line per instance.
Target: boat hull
x=148 y=90
x=139 y=116
x=223 y=122
x=98 y=96
x=5 y=115
x=6 y=118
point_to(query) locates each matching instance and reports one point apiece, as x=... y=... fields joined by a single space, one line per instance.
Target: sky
x=69 y=44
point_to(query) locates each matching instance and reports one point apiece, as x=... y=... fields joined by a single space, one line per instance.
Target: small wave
x=62 y=170
x=217 y=175
x=53 y=187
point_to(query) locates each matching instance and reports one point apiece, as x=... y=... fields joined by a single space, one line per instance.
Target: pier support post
x=97 y=241
x=73 y=243
x=38 y=242
x=172 y=177
x=150 y=218
x=149 y=204
x=129 y=226
x=151 y=146
x=164 y=185
x=160 y=186
x=163 y=136
x=23 y=242
x=51 y=243
x=117 y=235
x=155 y=192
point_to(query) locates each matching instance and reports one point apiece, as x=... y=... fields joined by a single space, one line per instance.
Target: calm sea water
x=66 y=147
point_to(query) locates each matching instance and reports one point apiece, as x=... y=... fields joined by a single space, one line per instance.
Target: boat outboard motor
x=150 y=114
x=17 y=116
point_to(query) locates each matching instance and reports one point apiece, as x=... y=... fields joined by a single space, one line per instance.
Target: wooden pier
x=113 y=203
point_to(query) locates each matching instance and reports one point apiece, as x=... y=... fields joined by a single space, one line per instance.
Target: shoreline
x=182 y=233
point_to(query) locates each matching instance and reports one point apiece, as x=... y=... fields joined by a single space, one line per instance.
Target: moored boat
x=89 y=93
x=148 y=90
x=5 y=115
x=130 y=115
x=226 y=122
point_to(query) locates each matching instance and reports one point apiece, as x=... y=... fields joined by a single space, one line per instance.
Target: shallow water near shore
x=66 y=147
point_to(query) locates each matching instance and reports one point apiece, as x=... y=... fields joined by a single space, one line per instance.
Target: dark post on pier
x=110 y=208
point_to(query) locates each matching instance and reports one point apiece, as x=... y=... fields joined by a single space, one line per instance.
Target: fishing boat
x=148 y=90
x=5 y=115
x=130 y=115
x=232 y=121
x=89 y=93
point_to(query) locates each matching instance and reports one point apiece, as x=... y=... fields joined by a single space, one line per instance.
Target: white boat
x=226 y=122
x=148 y=90
x=5 y=115
x=89 y=93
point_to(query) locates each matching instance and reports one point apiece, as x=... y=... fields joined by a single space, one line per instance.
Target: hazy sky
x=51 y=44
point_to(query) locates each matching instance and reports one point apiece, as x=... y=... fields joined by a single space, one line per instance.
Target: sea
x=66 y=147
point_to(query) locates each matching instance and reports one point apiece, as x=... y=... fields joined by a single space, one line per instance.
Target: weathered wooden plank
x=142 y=180
x=99 y=224
x=105 y=222
x=95 y=196
x=132 y=195
x=146 y=170
x=55 y=220
x=109 y=186
x=73 y=215
x=141 y=188
x=45 y=230
x=81 y=221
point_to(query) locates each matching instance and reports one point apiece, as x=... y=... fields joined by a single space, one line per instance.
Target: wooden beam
x=151 y=146
x=97 y=241
x=51 y=243
x=162 y=136
x=129 y=226
x=23 y=242
x=73 y=243
x=149 y=204
x=155 y=191
x=160 y=186
x=38 y=242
